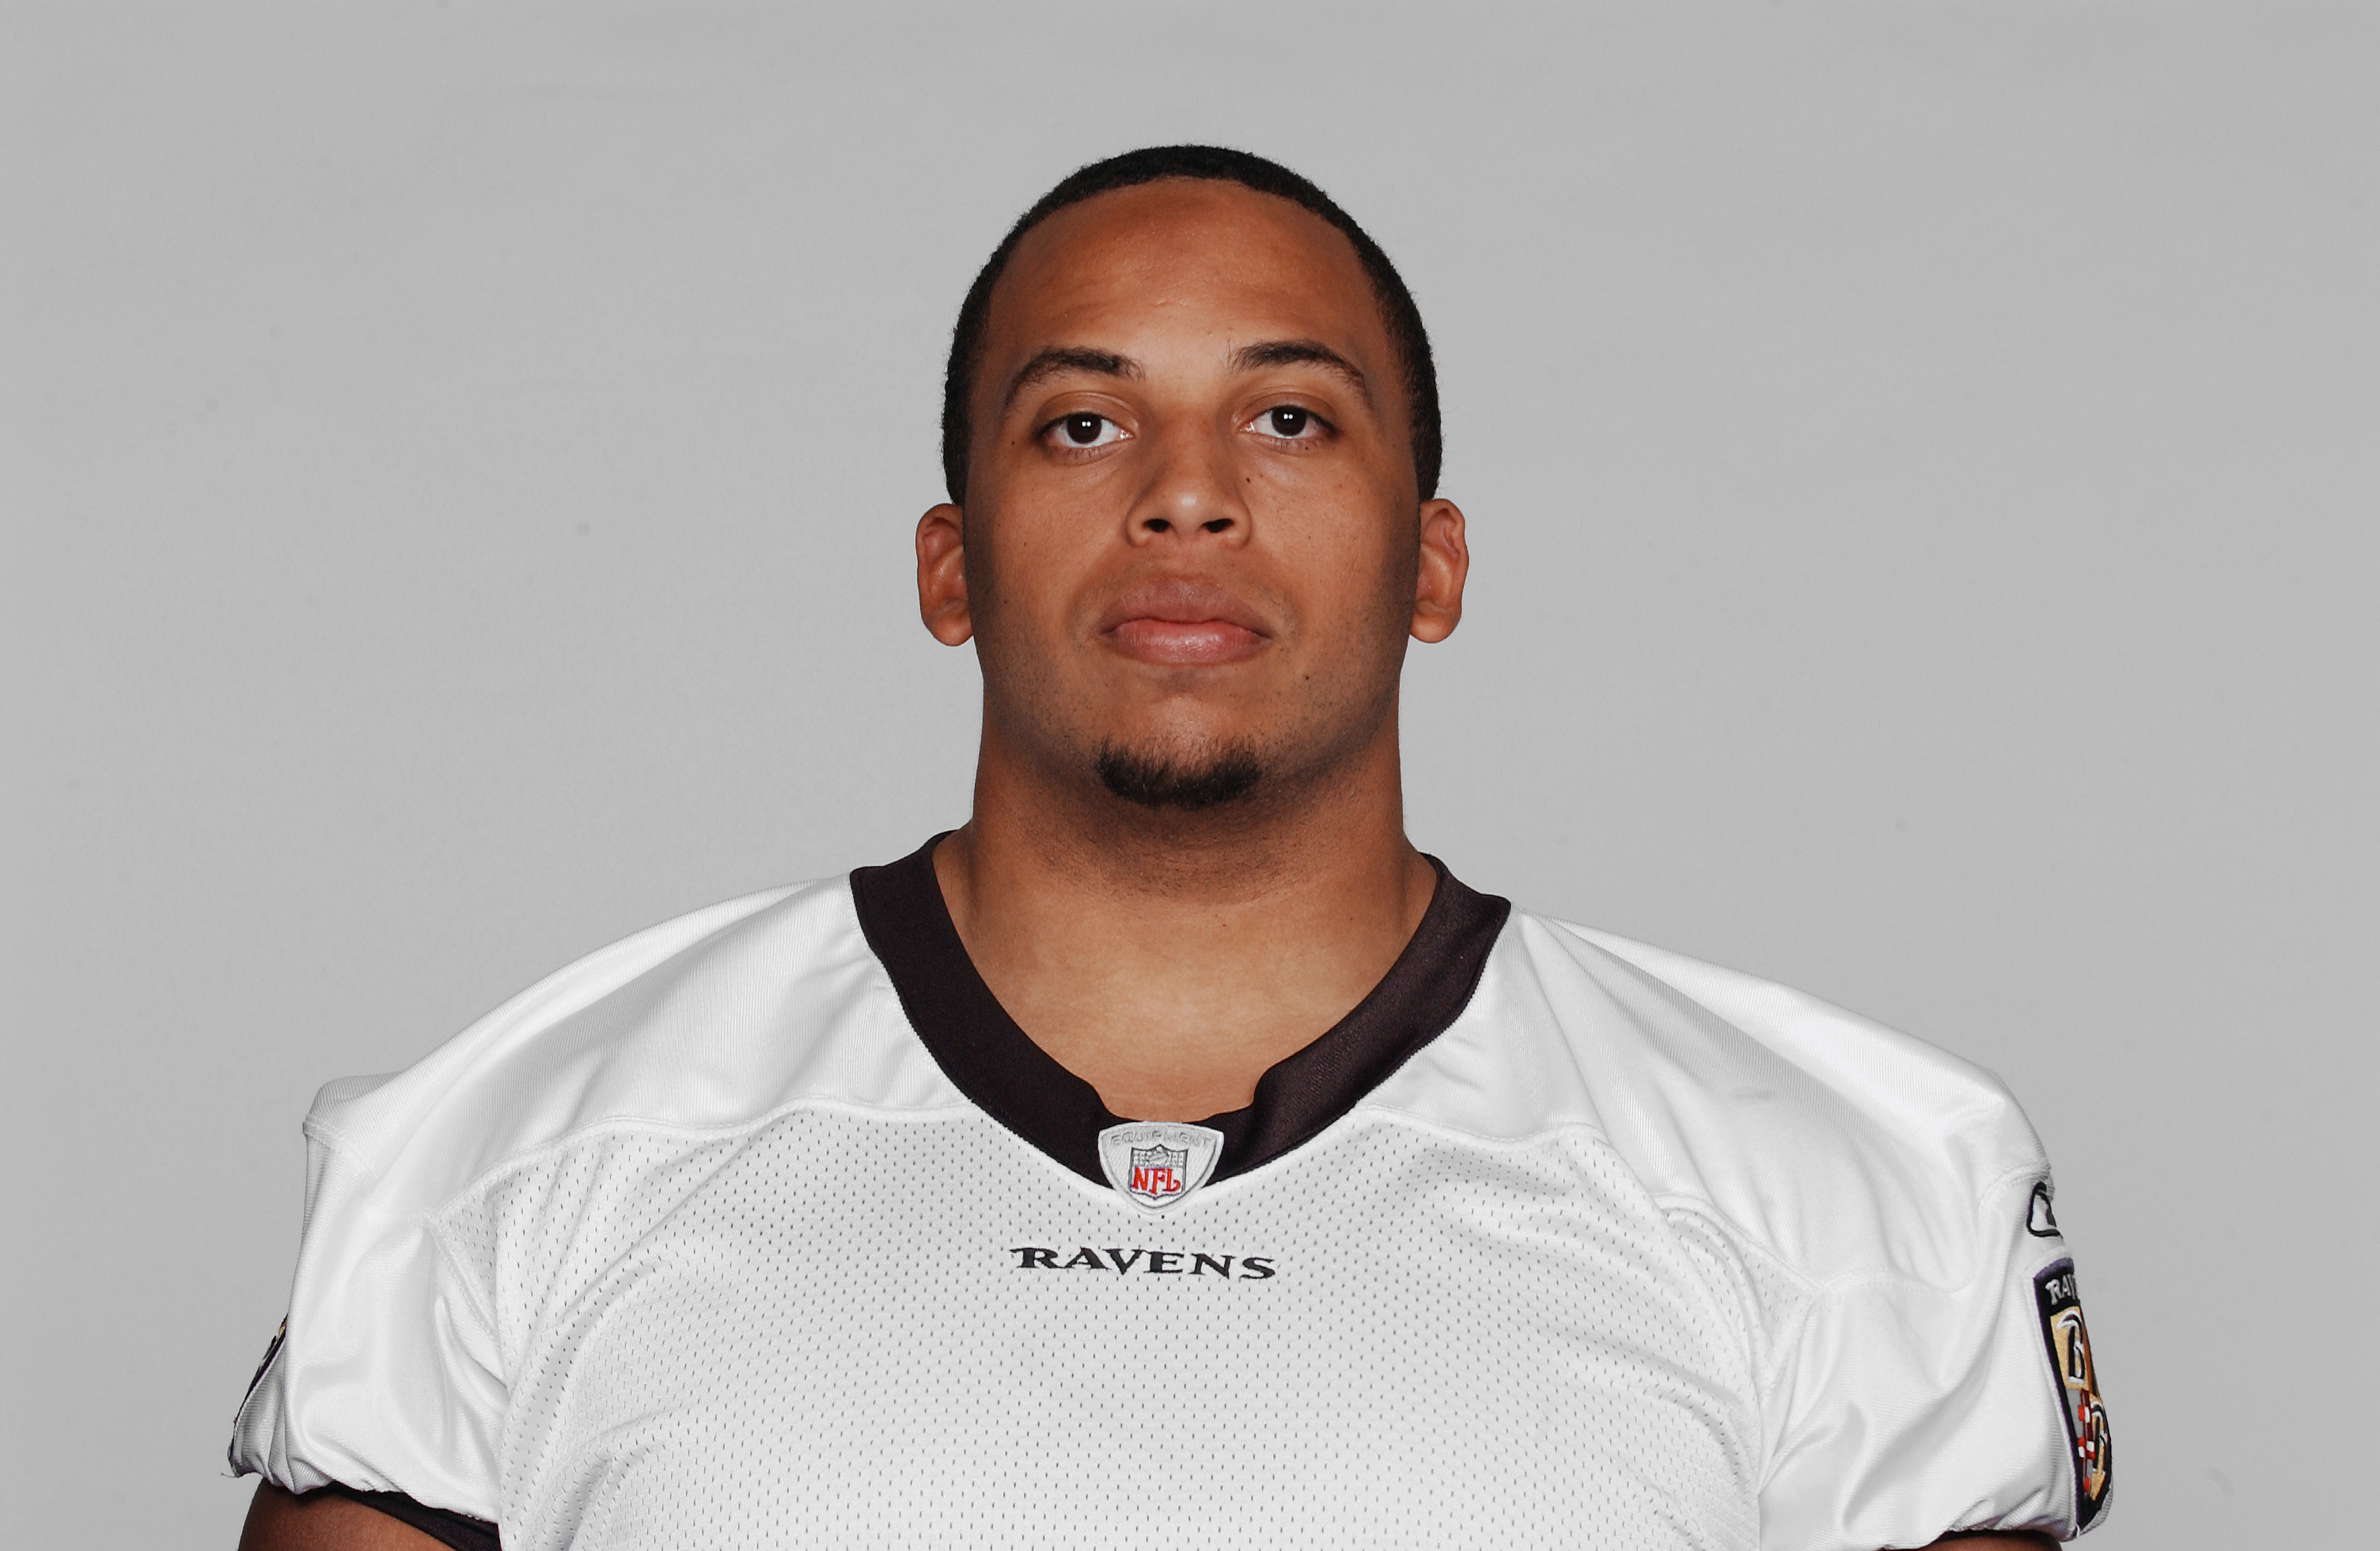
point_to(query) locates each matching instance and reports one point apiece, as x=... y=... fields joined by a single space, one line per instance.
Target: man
x=1173 y=1155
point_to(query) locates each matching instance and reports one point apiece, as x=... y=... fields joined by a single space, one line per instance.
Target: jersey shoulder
x=1833 y=1144
x=701 y=1024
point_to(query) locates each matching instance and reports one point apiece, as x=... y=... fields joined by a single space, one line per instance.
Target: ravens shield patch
x=2078 y=1387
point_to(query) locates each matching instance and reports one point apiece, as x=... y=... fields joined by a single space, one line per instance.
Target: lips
x=1182 y=624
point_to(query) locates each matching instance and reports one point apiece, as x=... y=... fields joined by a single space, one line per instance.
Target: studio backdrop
x=460 y=464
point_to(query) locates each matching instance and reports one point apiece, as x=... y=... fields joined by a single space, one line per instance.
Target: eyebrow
x=1301 y=352
x=1060 y=359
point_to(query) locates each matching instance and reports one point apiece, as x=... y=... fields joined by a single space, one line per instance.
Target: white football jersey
x=768 y=1228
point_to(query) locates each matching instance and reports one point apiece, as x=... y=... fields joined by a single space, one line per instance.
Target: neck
x=1169 y=958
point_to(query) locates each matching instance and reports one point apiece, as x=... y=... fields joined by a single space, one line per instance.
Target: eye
x=1084 y=430
x=1290 y=423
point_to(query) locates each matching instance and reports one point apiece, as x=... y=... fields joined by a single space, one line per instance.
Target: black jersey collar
x=992 y=1061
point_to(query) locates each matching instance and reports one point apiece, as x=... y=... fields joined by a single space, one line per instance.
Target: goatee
x=1156 y=783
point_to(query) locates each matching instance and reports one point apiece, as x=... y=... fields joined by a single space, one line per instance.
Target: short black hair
x=1215 y=164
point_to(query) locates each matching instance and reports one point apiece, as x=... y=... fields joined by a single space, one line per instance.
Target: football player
x=1173 y=1155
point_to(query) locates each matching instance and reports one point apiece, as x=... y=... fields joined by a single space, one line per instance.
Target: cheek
x=1358 y=559
x=1018 y=582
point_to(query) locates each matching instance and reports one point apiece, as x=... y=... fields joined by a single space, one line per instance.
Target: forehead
x=1185 y=258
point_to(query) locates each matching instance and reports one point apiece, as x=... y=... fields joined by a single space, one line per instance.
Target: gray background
x=459 y=470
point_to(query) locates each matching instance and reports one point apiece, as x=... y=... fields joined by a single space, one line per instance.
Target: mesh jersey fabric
x=696 y=1245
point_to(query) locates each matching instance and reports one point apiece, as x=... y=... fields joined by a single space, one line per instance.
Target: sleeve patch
x=271 y=1350
x=2078 y=1391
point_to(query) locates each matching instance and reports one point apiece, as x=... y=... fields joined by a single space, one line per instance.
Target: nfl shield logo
x=1159 y=1174
x=1156 y=1163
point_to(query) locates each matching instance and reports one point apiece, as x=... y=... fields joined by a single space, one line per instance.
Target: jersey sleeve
x=385 y=1377
x=388 y=1377
x=1908 y=1410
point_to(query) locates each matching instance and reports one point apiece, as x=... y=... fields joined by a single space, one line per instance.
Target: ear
x=941 y=575
x=1445 y=563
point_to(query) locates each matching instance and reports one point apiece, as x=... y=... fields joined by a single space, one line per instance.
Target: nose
x=1193 y=491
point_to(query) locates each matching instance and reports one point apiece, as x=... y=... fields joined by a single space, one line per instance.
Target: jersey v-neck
x=1001 y=1070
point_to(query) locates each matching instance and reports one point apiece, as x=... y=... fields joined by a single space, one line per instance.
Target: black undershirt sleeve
x=458 y=1530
